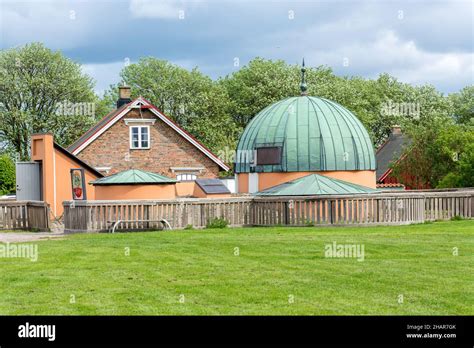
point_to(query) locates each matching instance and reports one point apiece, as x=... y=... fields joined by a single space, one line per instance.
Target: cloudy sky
x=416 y=41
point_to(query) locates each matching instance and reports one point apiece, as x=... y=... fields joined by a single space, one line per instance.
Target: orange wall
x=242 y=182
x=185 y=188
x=265 y=180
x=56 y=173
x=128 y=192
x=63 y=181
x=124 y=192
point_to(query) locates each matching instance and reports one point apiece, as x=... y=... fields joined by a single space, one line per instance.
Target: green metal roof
x=133 y=177
x=316 y=134
x=315 y=184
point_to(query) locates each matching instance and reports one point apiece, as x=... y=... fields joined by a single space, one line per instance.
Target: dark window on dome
x=269 y=155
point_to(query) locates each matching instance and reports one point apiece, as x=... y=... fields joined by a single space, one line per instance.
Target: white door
x=253 y=182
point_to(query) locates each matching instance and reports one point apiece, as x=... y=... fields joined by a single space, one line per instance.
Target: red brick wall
x=167 y=149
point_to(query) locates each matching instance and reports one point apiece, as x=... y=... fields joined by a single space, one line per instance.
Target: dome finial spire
x=303 y=86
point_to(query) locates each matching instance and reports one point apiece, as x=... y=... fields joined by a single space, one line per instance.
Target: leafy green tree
x=463 y=173
x=7 y=175
x=463 y=105
x=34 y=80
x=257 y=85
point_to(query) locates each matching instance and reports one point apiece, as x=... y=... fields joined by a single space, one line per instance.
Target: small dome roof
x=312 y=133
x=133 y=177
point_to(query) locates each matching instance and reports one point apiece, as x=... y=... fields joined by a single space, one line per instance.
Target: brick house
x=138 y=136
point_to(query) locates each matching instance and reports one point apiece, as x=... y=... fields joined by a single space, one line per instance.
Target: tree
x=257 y=85
x=439 y=155
x=463 y=105
x=34 y=81
x=7 y=175
x=463 y=175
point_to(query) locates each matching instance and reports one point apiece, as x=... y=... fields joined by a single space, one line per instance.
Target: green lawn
x=278 y=271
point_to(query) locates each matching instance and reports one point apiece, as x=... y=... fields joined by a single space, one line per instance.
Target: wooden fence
x=446 y=205
x=370 y=209
x=24 y=215
x=98 y=216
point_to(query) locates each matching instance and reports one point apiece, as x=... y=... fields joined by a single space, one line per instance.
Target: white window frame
x=140 y=147
x=186 y=177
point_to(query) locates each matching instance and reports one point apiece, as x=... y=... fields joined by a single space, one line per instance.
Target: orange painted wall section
x=124 y=192
x=265 y=180
x=63 y=180
x=185 y=188
x=38 y=144
x=56 y=173
x=242 y=182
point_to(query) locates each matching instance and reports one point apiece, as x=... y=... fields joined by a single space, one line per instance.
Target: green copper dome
x=304 y=134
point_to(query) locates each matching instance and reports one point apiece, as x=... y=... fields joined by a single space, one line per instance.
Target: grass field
x=273 y=271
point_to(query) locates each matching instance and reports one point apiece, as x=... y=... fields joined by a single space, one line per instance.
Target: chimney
x=396 y=130
x=124 y=96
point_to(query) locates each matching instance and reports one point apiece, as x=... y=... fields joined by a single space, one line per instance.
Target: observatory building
x=305 y=136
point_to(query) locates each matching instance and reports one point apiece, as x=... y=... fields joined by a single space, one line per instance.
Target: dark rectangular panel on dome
x=269 y=155
x=212 y=186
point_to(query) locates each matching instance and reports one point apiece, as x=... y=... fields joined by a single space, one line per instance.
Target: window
x=186 y=177
x=140 y=137
x=269 y=155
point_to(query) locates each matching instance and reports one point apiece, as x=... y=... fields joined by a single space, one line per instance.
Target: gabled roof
x=133 y=177
x=389 y=152
x=87 y=135
x=116 y=115
x=212 y=186
x=315 y=184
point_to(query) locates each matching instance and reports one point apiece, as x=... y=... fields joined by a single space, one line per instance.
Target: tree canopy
x=34 y=80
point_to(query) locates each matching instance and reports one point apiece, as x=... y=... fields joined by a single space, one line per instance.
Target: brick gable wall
x=167 y=149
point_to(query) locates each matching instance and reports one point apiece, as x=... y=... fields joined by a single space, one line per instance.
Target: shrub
x=189 y=227
x=7 y=175
x=457 y=218
x=217 y=223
